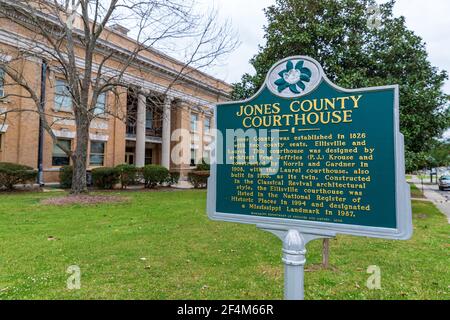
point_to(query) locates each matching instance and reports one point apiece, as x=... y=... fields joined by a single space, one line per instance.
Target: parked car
x=444 y=182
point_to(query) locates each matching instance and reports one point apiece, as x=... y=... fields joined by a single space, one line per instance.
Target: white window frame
x=100 y=107
x=102 y=154
x=62 y=152
x=207 y=129
x=60 y=107
x=194 y=124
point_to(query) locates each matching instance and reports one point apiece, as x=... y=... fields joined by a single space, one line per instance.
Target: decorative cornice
x=108 y=47
x=63 y=121
x=98 y=137
x=24 y=43
x=64 y=134
x=149 y=139
x=162 y=69
x=100 y=125
x=5 y=58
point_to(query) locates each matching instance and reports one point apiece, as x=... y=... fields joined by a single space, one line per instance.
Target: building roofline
x=111 y=46
x=165 y=55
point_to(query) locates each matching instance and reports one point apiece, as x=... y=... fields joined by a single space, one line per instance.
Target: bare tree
x=60 y=28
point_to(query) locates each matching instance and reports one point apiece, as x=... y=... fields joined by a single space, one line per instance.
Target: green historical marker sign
x=303 y=152
x=306 y=159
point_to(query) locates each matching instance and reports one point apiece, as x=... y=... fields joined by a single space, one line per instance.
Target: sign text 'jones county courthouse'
x=323 y=157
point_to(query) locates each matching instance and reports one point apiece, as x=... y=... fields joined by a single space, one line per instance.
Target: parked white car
x=444 y=182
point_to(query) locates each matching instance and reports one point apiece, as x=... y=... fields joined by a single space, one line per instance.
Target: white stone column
x=140 y=131
x=166 y=133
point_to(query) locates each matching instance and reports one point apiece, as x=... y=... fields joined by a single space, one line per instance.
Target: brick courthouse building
x=143 y=138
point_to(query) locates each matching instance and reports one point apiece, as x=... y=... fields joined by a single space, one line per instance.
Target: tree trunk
x=326 y=253
x=79 y=184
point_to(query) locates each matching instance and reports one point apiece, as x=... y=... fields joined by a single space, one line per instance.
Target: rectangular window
x=97 y=155
x=148 y=156
x=60 y=158
x=194 y=119
x=207 y=125
x=63 y=99
x=1 y=142
x=193 y=157
x=148 y=119
x=101 y=104
x=2 y=83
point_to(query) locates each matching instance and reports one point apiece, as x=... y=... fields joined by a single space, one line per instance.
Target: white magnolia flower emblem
x=292 y=76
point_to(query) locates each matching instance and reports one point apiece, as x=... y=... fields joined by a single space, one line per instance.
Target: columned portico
x=157 y=127
x=140 y=130
x=166 y=133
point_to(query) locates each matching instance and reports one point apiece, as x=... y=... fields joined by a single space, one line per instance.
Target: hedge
x=12 y=174
x=127 y=174
x=154 y=175
x=199 y=179
x=65 y=177
x=173 y=178
x=105 y=178
x=203 y=166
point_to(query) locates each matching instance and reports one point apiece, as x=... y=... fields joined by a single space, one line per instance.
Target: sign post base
x=294 y=258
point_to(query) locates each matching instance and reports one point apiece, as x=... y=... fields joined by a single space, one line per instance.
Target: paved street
x=440 y=198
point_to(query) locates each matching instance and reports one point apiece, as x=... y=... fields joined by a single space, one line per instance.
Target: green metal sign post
x=305 y=159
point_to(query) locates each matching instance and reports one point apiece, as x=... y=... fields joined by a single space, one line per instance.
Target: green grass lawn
x=416 y=192
x=189 y=257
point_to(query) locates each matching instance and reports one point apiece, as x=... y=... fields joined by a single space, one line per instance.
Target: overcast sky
x=429 y=19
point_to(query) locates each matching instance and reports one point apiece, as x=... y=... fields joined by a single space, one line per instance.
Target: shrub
x=12 y=174
x=173 y=178
x=127 y=174
x=105 y=178
x=199 y=179
x=154 y=175
x=65 y=177
x=203 y=166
